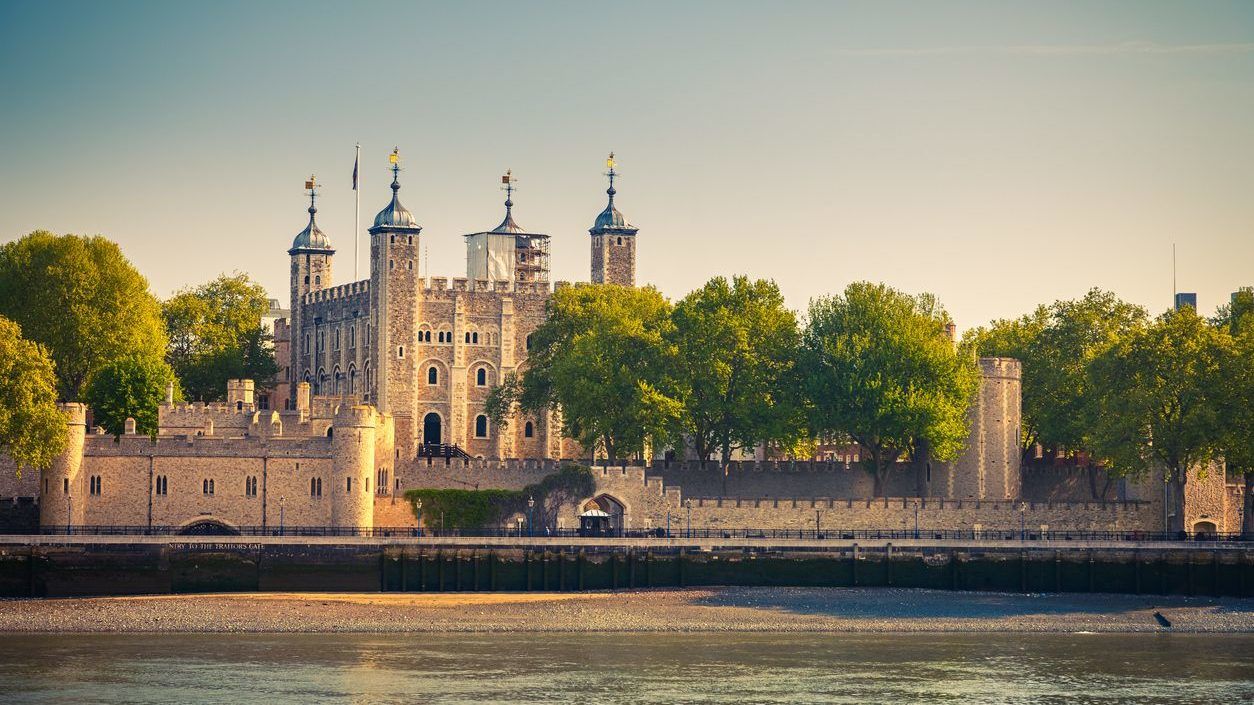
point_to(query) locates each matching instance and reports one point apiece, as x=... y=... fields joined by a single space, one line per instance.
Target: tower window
x=163 y=486
x=400 y=351
x=315 y=487
x=481 y=376
x=411 y=239
x=317 y=280
x=306 y=280
x=529 y=430
x=391 y=264
x=474 y=338
x=348 y=487
x=410 y=265
x=528 y=341
x=481 y=426
x=392 y=239
x=620 y=241
x=206 y=488
x=433 y=375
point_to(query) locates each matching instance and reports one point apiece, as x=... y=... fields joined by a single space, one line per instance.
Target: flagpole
x=357 y=216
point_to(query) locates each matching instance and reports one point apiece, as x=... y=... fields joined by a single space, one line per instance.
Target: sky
x=997 y=154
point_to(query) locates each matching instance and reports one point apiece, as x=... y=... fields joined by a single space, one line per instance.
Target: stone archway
x=208 y=527
x=1205 y=529
x=431 y=428
x=610 y=505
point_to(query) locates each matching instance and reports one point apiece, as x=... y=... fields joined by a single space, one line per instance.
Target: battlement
x=343 y=291
x=923 y=503
x=1001 y=368
x=434 y=287
x=197 y=446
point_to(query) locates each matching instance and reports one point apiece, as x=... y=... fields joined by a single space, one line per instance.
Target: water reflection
x=278 y=669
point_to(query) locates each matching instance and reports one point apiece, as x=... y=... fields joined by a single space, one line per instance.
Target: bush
x=477 y=509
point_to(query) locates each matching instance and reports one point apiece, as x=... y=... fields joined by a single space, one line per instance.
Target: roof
x=594 y=513
x=311 y=239
x=394 y=215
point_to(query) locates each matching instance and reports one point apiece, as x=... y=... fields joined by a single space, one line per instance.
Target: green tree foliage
x=472 y=509
x=1080 y=331
x=604 y=358
x=879 y=368
x=737 y=345
x=1238 y=413
x=216 y=335
x=132 y=387
x=1021 y=339
x=1159 y=400
x=32 y=428
x=81 y=300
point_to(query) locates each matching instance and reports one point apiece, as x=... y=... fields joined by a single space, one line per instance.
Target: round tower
x=60 y=496
x=310 y=271
x=613 y=241
x=352 y=466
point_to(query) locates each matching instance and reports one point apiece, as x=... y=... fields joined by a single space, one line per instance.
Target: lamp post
x=1023 y=518
x=281 y=499
x=531 y=505
x=916 y=520
x=67 y=513
x=688 y=504
x=668 y=524
x=816 y=524
x=418 y=513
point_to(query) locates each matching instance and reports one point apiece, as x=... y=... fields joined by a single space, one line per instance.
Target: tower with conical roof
x=395 y=300
x=613 y=241
x=310 y=255
x=507 y=252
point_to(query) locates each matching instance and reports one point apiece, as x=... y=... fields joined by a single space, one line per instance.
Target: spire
x=508 y=225
x=312 y=187
x=609 y=162
x=395 y=160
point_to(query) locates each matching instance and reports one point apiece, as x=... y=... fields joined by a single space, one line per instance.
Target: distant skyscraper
x=1186 y=299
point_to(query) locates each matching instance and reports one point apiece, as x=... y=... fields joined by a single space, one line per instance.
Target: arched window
x=529 y=341
x=481 y=376
x=468 y=338
x=529 y=430
x=433 y=375
x=474 y=338
x=481 y=426
x=400 y=351
x=620 y=241
x=315 y=487
x=352 y=380
x=317 y=280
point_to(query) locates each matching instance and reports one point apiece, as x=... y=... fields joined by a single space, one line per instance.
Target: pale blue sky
x=997 y=154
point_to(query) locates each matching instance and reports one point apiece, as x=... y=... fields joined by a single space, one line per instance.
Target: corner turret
x=613 y=241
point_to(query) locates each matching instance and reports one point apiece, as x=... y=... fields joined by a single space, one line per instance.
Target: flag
x=355 y=171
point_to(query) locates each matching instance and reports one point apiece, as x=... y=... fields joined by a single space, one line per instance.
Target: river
x=277 y=669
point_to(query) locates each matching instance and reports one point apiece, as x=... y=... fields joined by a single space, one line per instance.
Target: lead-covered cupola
x=395 y=216
x=312 y=240
x=613 y=241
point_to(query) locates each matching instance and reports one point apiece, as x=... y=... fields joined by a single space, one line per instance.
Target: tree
x=603 y=357
x=737 y=346
x=1238 y=413
x=1159 y=401
x=32 y=428
x=1079 y=331
x=216 y=335
x=1021 y=339
x=81 y=300
x=131 y=387
x=879 y=368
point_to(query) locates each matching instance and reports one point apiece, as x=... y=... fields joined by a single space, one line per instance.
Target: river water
x=277 y=669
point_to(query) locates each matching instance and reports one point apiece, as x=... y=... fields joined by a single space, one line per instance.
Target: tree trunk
x=878 y=472
x=726 y=458
x=1247 y=523
x=1175 y=501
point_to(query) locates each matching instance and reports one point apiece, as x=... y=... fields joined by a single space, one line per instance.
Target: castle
x=384 y=385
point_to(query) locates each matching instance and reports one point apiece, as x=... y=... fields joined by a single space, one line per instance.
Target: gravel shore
x=669 y=610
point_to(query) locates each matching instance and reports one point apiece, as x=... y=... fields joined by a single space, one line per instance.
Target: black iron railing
x=675 y=533
x=441 y=450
